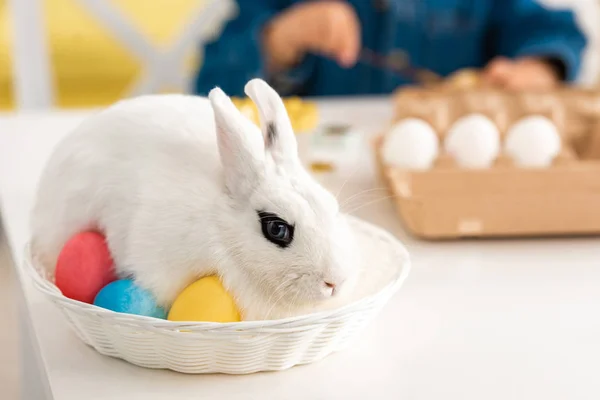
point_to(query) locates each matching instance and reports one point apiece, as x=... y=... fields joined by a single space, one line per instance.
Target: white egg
x=473 y=141
x=533 y=142
x=412 y=144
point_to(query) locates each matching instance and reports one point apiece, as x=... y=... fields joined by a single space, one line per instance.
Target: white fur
x=176 y=187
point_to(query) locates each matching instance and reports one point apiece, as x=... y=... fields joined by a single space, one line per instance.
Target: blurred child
x=313 y=48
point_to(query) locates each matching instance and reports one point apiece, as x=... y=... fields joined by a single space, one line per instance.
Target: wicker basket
x=235 y=348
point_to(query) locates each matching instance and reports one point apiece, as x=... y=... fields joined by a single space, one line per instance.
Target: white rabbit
x=184 y=187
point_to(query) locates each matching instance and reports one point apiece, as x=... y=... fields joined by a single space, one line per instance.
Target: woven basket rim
x=290 y=324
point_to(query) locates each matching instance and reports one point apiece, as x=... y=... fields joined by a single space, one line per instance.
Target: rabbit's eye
x=275 y=229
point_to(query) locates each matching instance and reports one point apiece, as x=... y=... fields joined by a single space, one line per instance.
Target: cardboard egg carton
x=447 y=201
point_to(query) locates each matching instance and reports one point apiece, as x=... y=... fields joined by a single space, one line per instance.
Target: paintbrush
x=399 y=63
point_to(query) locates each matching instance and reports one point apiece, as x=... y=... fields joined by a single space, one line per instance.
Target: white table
x=475 y=320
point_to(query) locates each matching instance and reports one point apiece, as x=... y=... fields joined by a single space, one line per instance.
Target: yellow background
x=90 y=67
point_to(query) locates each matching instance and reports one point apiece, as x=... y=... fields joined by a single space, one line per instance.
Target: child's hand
x=330 y=28
x=519 y=74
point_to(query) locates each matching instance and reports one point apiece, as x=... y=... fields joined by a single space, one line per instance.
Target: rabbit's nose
x=330 y=287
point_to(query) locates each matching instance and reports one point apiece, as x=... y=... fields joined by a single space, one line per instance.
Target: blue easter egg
x=125 y=296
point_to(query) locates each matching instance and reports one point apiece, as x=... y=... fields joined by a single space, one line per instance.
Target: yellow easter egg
x=204 y=300
x=465 y=78
x=308 y=119
x=293 y=104
x=251 y=112
x=303 y=115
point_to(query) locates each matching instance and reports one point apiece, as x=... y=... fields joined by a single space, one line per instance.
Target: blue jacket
x=441 y=35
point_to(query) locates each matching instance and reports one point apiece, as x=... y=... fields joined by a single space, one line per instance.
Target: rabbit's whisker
x=371 y=202
x=361 y=193
x=280 y=291
x=337 y=195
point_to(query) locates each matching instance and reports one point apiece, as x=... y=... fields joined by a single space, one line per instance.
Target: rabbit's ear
x=240 y=145
x=275 y=123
